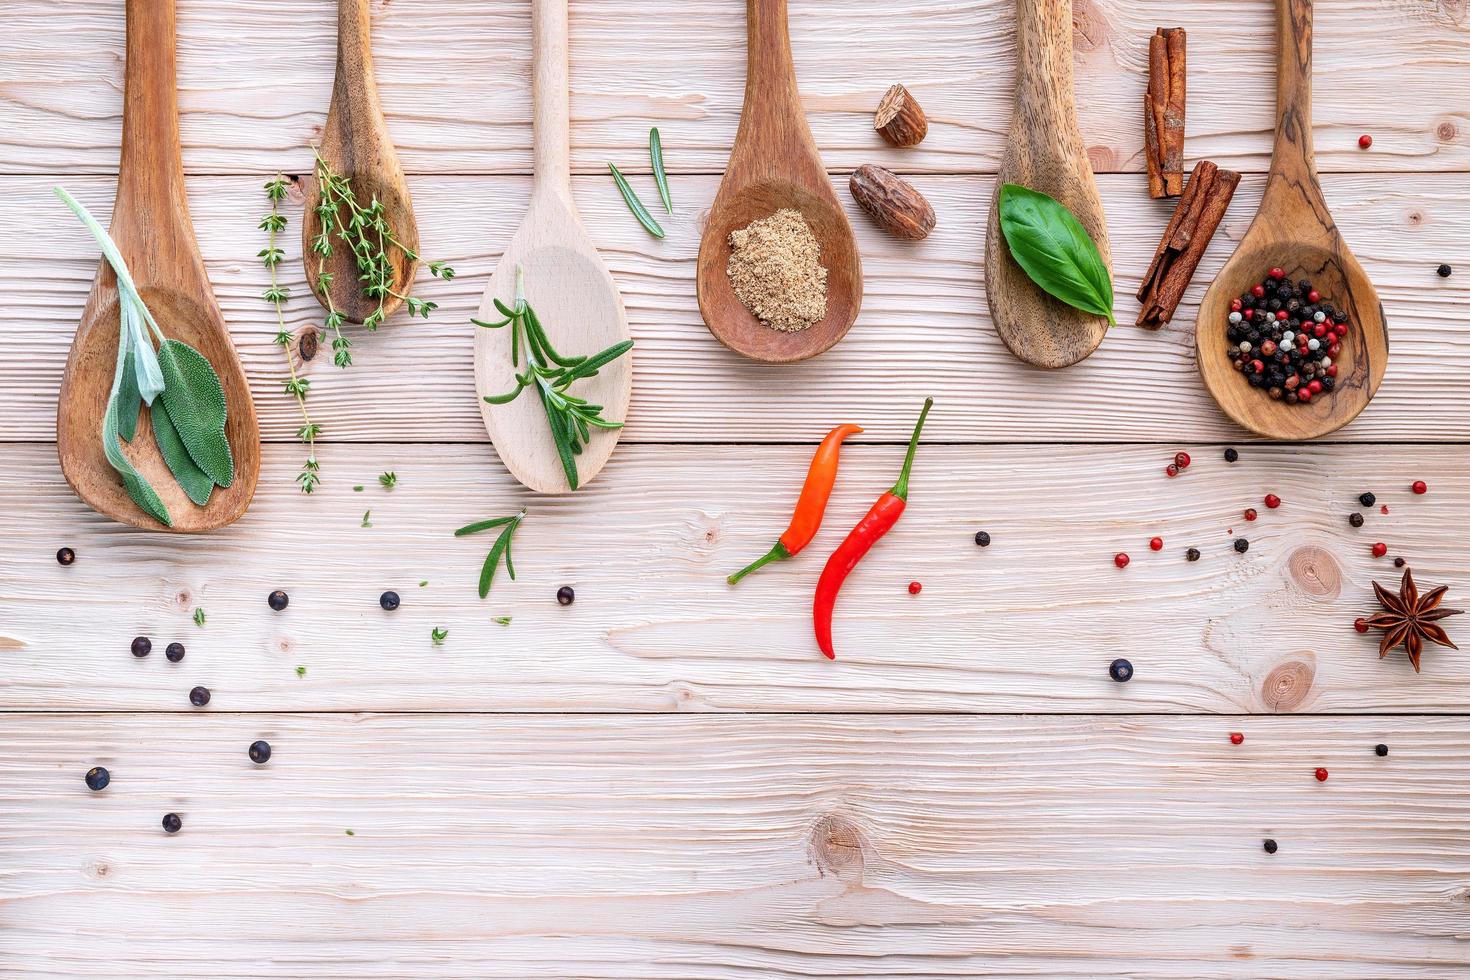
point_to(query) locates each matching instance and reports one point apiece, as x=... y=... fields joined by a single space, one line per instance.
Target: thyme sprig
x=296 y=385
x=571 y=418
x=497 y=550
x=364 y=230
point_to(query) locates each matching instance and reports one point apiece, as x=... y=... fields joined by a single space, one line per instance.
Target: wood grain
x=687 y=387
x=735 y=848
x=1028 y=624
x=455 y=82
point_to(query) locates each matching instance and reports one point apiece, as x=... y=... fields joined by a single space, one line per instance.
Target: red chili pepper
x=810 y=505
x=883 y=515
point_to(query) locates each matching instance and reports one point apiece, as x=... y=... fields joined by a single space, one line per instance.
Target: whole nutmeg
x=893 y=202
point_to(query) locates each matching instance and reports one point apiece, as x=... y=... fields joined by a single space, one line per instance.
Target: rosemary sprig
x=572 y=419
x=364 y=230
x=501 y=547
x=656 y=157
x=296 y=385
x=630 y=198
x=388 y=479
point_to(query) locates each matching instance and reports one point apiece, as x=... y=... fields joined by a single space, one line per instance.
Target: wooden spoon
x=356 y=144
x=566 y=283
x=773 y=165
x=1044 y=153
x=1293 y=230
x=151 y=225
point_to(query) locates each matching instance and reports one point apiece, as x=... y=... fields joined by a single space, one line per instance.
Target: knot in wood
x=836 y=844
x=1315 y=571
x=1288 y=684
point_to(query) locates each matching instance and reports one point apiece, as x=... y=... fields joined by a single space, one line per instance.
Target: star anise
x=1410 y=618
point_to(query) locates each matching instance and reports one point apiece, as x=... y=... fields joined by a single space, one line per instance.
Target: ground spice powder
x=774 y=271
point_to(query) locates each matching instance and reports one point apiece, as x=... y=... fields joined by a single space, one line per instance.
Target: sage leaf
x=136 y=485
x=196 y=483
x=129 y=401
x=148 y=375
x=1053 y=248
x=195 y=400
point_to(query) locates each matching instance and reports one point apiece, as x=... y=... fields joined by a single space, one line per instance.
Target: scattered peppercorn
x=1120 y=670
x=1171 y=471
x=1355 y=519
x=1284 y=339
x=1273 y=501
x=982 y=538
x=1231 y=455
x=171 y=823
x=1242 y=545
x=1380 y=549
x=915 y=588
x=1236 y=738
x=1380 y=749
x=1419 y=486
x=174 y=652
x=1250 y=513
x=1321 y=775
x=1181 y=460
x=260 y=752
x=1360 y=624
x=1383 y=509
x=1365 y=141
x=199 y=697
x=1156 y=544
x=1192 y=554
x=1399 y=562
x=1444 y=271
x=1270 y=846
x=142 y=646
x=1121 y=560
x=98 y=778
x=65 y=556
x=565 y=595
x=1367 y=499
x=388 y=600
x=278 y=600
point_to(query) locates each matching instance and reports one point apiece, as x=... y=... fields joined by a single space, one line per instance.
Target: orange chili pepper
x=810 y=505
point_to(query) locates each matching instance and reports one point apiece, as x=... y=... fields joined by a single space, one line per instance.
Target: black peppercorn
x=65 y=556
x=174 y=652
x=1444 y=271
x=142 y=646
x=1192 y=554
x=1398 y=563
x=199 y=697
x=1367 y=499
x=1242 y=545
x=388 y=600
x=1231 y=455
x=260 y=752
x=982 y=538
x=278 y=600
x=171 y=823
x=1270 y=846
x=1355 y=519
x=1120 y=670
x=98 y=778
x=565 y=595
x=1381 y=749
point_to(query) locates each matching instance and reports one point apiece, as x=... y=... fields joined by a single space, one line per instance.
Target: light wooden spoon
x=566 y=283
x=151 y=225
x=1044 y=153
x=1294 y=230
x=773 y=165
x=356 y=144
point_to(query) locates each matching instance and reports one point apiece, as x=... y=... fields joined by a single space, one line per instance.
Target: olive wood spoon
x=1044 y=153
x=356 y=144
x=566 y=283
x=153 y=231
x=774 y=164
x=1294 y=230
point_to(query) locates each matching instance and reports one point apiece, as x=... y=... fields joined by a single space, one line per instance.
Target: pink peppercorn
x=1380 y=549
x=1121 y=560
x=1156 y=544
x=914 y=588
x=1420 y=487
x=1365 y=141
x=1236 y=738
x=1273 y=501
x=1321 y=775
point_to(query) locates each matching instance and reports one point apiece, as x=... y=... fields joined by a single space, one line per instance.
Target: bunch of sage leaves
x=181 y=388
x=1051 y=246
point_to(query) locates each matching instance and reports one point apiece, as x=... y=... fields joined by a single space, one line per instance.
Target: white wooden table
x=664 y=779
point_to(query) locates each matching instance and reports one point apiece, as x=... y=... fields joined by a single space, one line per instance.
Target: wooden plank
x=736 y=847
x=1028 y=624
x=924 y=327
x=254 y=81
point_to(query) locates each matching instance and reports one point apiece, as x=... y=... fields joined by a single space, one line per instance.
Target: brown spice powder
x=774 y=271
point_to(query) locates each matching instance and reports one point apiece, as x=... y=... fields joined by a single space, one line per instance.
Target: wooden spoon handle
x=549 y=90
x=356 y=118
x=1044 y=58
x=1293 y=163
x=151 y=200
x=771 y=115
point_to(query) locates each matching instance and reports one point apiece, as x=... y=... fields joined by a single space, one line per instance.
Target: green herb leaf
x=656 y=156
x=630 y=198
x=196 y=402
x=199 y=616
x=136 y=485
x=195 y=482
x=438 y=635
x=389 y=480
x=365 y=515
x=300 y=671
x=501 y=547
x=129 y=401
x=503 y=620
x=1050 y=244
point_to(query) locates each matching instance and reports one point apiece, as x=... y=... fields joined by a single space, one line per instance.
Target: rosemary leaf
x=656 y=157
x=630 y=198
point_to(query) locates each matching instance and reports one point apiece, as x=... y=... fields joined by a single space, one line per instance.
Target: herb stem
x=276 y=295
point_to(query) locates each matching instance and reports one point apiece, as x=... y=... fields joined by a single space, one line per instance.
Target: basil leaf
x=1053 y=248
x=195 y=482
x=196 y=402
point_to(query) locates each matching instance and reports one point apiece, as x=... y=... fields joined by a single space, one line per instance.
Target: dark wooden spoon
x=356 y=144
x=1294 y=230
x=773 y=165
x=1044 y=153
x=151 y=225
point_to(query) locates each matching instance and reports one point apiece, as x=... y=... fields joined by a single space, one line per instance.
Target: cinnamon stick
x=1196 y=217
x=1163 y=112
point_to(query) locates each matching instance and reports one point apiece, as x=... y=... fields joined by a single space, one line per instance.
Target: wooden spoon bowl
x=1294 y=230
x=774 y=164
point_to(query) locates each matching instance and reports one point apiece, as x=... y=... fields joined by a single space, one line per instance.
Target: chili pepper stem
x=777 y=553
x=901 y=488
